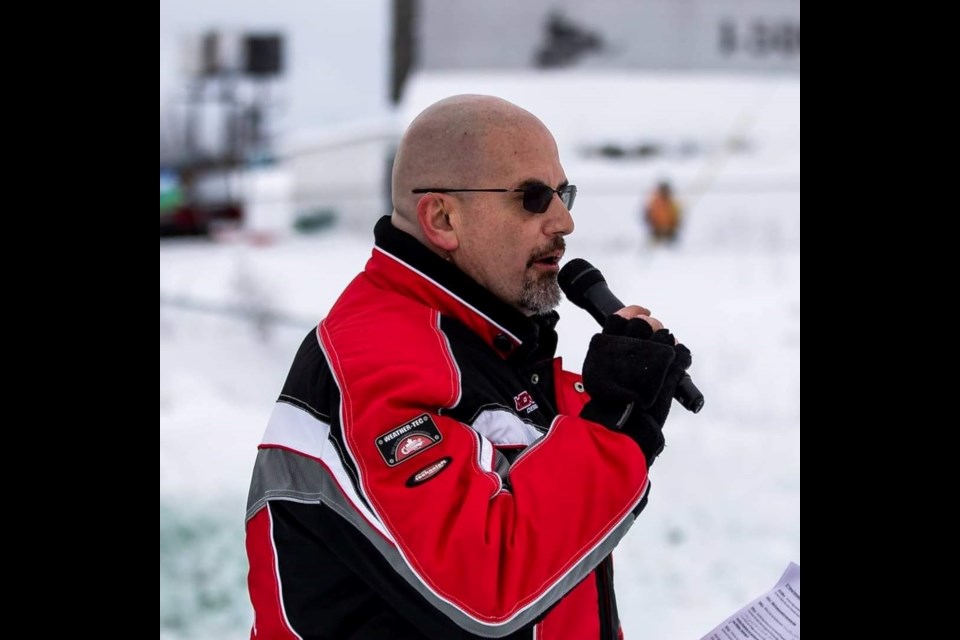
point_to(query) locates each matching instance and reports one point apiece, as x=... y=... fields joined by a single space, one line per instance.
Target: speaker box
x=264 y=55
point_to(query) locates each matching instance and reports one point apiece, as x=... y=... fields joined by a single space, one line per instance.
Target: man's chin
x=540 y=296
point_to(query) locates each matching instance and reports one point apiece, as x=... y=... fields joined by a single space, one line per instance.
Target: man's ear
x=435 y=224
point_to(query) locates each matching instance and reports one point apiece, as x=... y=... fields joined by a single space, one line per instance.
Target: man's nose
x=560 y=221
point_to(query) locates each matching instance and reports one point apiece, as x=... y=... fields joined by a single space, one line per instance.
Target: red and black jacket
x=426 y=474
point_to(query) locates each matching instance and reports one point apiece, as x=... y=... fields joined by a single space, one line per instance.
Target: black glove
x=631 y=373
x=660 y=408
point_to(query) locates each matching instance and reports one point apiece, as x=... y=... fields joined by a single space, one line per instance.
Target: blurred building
x=648 y=35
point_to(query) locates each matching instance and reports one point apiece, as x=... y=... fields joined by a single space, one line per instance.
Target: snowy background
x=724 y=514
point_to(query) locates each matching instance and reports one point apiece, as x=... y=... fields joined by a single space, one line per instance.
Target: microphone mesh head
x=576 y=277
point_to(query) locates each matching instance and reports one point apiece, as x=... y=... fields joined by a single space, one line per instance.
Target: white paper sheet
x=773 y=616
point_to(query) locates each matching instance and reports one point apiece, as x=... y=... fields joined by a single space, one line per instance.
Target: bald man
x=429 y=469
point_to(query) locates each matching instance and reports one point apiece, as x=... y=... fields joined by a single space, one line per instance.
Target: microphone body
x=585 y=286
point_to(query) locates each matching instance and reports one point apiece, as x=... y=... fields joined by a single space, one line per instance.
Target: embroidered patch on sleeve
x=408 y=440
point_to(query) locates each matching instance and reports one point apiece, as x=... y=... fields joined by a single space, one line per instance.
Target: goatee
x=540 y=295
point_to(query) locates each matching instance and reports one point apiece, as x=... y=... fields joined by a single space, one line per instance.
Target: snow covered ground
x=724 y=514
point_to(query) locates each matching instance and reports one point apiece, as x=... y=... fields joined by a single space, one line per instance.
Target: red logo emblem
x=412 y=445
x=524 y=402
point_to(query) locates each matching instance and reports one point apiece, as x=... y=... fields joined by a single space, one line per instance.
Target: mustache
x=558 y=245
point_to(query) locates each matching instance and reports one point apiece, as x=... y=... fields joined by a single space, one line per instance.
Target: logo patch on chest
x=524 y=402
x=428 y=472
x=408 y=440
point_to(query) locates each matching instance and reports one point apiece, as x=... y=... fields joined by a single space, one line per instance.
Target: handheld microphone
x=585 y=286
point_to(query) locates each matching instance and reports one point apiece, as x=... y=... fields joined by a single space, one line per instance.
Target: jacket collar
x=402 y=263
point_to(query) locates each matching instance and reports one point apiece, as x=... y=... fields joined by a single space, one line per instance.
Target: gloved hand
x=631 y=373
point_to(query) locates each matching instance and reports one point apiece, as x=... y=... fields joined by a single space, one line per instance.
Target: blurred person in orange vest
x=662 y=214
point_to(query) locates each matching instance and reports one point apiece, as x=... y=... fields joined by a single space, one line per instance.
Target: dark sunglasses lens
x=536 y=198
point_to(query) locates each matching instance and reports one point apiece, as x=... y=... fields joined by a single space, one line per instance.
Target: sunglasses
x=536 y=197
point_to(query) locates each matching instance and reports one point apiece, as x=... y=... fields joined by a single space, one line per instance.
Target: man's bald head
x=456 y=142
